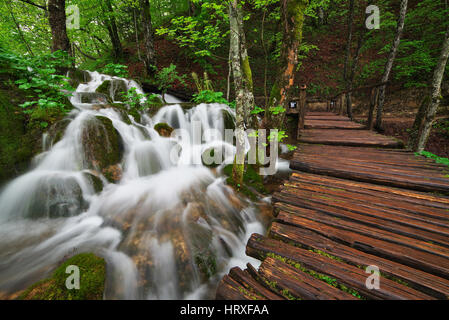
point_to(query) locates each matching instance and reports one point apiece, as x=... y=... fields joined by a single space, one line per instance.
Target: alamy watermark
x=373 y=20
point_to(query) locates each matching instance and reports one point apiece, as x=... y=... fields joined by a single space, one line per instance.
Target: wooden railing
x=337 y=103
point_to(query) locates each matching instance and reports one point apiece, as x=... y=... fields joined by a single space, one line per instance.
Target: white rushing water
x=163 y=228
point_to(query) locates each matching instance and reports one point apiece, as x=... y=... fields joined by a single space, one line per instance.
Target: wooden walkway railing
x=355 y=200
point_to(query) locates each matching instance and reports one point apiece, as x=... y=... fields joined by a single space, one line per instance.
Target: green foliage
x=115 y=69
x=203 y=32
x=277 y=110
x=257 y=110
x=38 y=76
x=430 y=155
x=167 y=77
x=207 y=96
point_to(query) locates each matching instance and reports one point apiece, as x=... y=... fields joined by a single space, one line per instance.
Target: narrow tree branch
x=35 y=4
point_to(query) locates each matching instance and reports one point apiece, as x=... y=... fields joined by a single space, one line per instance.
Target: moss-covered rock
x=57 y=130
x=94 y=180
x=228 y=119
x=77 y=76
x=252 y=181
x=103 y=147
x=92 y=281
x=163 y=129
x=115 y=89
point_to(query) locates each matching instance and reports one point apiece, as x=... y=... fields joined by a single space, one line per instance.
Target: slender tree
x=292 y=16
x=239 y=161
x=246 y=73
x=428 y=109
x=111 y=26
x=390 y=61
x=149 y=57
x=348 y=56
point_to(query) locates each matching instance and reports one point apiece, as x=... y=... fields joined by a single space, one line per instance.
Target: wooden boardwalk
x=347 y=207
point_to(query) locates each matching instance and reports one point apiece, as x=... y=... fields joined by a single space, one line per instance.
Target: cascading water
x=167 y=230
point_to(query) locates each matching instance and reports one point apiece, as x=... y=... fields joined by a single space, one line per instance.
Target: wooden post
x=302 y=106
x=328 y=106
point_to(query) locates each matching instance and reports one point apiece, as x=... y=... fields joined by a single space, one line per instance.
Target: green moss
x=251 y=181
x=329 y=280
x=103 y=147
x=92 y=280
x=104 y=87
x=163 y=129
x=207 y=264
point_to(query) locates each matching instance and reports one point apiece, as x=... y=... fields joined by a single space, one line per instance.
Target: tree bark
x=434 y=102
x=390 y=61
x=57 y=20
x=292 y=16
x=250 y=120
x=111 y=26
x=149 y=56
x=239 y=161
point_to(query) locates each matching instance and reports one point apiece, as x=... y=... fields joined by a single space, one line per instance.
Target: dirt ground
x=398 y=126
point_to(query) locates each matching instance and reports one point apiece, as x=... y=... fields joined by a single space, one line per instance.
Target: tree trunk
x=292 y=16
x=348 y=41
x=250 y=120
x=111 y=26
x=434 y=102
x=239 y=161
x=351 y=77
x=149 y=57
x=372 y=107
x=390 y=61
x=57 y=20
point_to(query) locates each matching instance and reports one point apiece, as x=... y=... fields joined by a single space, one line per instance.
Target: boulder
x=163 y=129
x=77 y=76
x=57 y=197
x=115 y=89
x=103 y=147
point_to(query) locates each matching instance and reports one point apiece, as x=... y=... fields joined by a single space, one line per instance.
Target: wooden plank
x=251 y=285
x=372 y=228
x=350 y=276
x=414 y=197
x=326 y=124
x=428 y=283
x=427 y=262
x=346 y=172
x=404 y=233
x=395 y=210
x=298 y=284
x=348 y=138
x=229 y=289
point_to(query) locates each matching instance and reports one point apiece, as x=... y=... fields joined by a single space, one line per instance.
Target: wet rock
x=163 y=129
x=228 y=120
x=77 y=76
x=57 y=197
x=115 y=89
x=93 y=98
x=57 y=130
x=103 y=147
x=94 y=180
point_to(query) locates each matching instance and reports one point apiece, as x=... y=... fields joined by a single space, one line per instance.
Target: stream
x=167 y=230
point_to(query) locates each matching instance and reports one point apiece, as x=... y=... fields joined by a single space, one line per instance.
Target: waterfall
x=167 y=229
